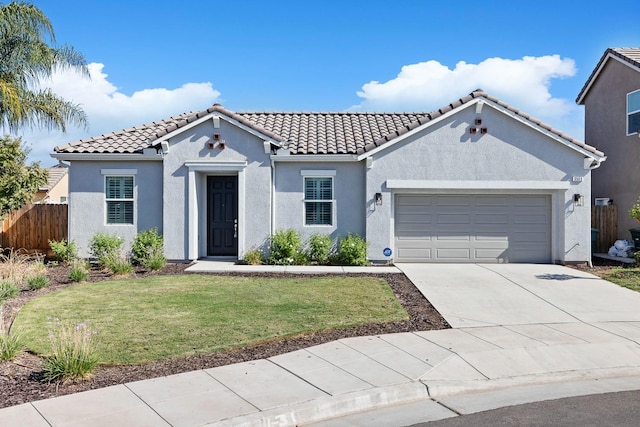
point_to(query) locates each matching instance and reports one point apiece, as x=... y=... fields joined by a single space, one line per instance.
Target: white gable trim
x=214 y=117
x=595 y=75
x=546 y=132
x=416 y=130
x=489 y=103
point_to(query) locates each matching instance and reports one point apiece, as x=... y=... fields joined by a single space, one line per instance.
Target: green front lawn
x=163 y=317
x=625 y=277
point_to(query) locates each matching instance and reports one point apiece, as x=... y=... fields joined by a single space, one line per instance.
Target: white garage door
x=473 y=228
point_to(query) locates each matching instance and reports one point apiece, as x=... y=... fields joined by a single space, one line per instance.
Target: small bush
x=37 y=282
x=286 y=248
x=319 y=248
x=72 y=356
x=253 y=257
x=352 y=250
x=65 y=251
x=117 y=264
x=79 y=271
x=146 y=244
x=104 y=245
x=155 y=260
x=11 y=345
x=8 y=289
x=17 y=266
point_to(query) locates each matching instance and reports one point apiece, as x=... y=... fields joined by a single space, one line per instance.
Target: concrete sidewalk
x=524 y=331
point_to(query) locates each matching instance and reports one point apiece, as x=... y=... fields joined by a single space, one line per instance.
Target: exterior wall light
x=578 y=200
x=378 y=198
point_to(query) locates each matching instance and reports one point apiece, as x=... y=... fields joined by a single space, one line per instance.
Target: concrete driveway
x=470 y=295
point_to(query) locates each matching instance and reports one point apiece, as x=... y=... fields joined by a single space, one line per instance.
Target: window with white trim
x=318 y=200
x=119 y=199
x=633 y=112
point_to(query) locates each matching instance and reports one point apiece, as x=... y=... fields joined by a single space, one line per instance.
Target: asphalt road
x=611 y=409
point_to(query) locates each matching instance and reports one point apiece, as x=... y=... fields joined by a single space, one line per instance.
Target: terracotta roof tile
x=300 y=132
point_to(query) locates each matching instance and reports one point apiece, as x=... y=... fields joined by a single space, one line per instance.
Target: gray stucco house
x=611 y=97
x=475 y=181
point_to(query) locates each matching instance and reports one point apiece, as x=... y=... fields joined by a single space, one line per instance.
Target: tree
x=18 y=182
x=25 y=59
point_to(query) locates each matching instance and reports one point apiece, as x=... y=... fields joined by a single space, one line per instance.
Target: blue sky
x=153 y=59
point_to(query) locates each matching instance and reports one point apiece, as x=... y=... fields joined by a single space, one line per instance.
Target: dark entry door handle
x=235 y=228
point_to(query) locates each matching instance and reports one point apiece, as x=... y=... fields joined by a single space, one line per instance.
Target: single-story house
x=611 y=99
x=475 y=181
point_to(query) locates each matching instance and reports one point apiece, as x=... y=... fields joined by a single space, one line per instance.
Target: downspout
x=273 y=197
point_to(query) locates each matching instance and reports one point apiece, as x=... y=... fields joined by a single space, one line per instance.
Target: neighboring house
x=476 y=181
x=56 y=190
x=611 y=97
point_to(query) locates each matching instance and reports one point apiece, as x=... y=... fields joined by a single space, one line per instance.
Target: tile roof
x=630 y=55
x=300 y=132
x=55 y=174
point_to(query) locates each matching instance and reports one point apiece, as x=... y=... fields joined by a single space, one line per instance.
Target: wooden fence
x=32 y=226
x=605 y=219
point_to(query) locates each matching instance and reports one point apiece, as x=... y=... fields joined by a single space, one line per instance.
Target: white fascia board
x=105 y=157
x=609 y=56
x=315 y=158
x=419 y=129
x=409 y=184
x=182 y=129
x=544 y=131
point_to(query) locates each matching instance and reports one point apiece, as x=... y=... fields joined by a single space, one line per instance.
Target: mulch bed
x=21 y=380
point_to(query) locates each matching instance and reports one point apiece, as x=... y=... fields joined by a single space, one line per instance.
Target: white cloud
x=108 y=109
x=523 y=83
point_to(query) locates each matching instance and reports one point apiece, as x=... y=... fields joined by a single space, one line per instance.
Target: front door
x=222 y=215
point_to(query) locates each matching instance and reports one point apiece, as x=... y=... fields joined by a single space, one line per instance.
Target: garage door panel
x=531 y=219
x=416 y=254
x=473 y=228
x=491 y=218
x=542 y=201
x=414 y=218
x=445 y=236
x=493 y=201
x=448 y=254
x=452 y=218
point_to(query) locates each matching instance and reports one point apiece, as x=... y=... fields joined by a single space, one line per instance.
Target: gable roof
x=55 y=174
x=301 y=132
x=627 y=55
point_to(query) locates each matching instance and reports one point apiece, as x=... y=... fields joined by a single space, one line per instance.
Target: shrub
x=285 y=248
x=319 y=248
x=79 y=271
x=37 y=282
x=8 y=289
x=65 y=251
x=11 y=345
x=17 y=266
x=103 y=245
x=352 y=250
x=253 y=257
x=117 y=264
x=72 y=356
x=146 y=244
x=155 y=260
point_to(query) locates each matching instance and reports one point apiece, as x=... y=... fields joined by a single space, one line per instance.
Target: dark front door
x=222 y=215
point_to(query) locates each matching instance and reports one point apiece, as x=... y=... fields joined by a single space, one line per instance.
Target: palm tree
x=25 y=59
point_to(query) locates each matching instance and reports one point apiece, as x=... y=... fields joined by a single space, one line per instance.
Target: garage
x=484 y=228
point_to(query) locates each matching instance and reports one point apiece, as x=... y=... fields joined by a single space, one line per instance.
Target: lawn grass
x=163 y=317
x=625 y=277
